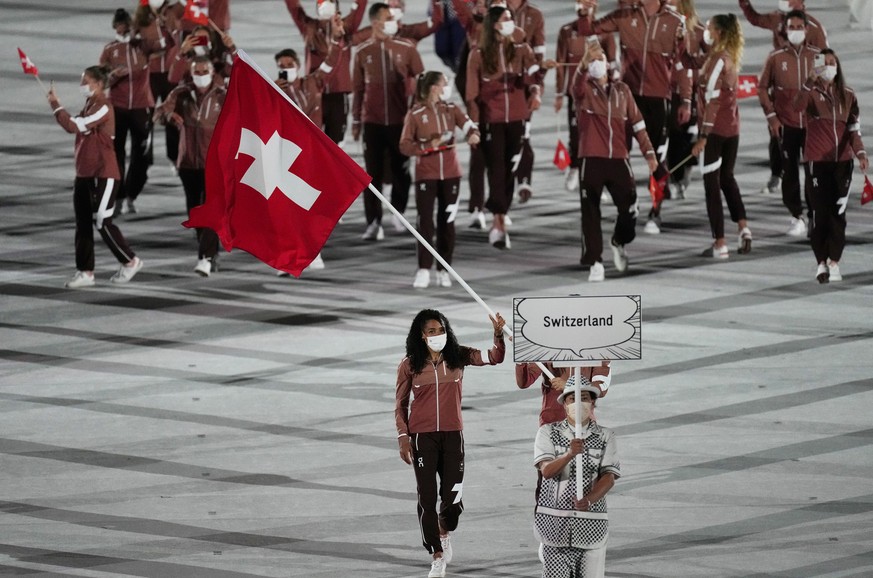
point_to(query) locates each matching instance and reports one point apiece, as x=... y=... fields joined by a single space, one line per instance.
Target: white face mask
x=122 y=37
x=86 y=90
x=829 y=73
x=586 y=410
x=202 y=80
x=446 y=93
x=202 y=50
x=581 y=9
x=291 y=73
x=156 y=4
x=390 y=27
x=784 y=6
x=796 y=37
x=437 y=342
x=707 y=37
x=597 y=69
x=396 y=13
x=326 y=10
x=507 y=28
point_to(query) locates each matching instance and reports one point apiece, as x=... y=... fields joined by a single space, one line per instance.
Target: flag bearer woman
x=429 y=136
x=97 y=179
x=427 y=413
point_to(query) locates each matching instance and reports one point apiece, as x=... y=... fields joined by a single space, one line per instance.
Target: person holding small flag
x=200 y=43
x=833 y=139
x=97 y=179
x=605 y=107
x=719 y=133
x=427 y=414
x=573 y=532
x=428 y=135
x=194 y=107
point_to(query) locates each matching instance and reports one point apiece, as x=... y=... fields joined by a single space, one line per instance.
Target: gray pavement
x=242 y=425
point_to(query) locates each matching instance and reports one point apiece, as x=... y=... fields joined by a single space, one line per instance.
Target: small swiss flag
x=562 y=156
x=28 y=66
x=867 y=193
x=747 y=85
x=656 y=188
x=197 y=11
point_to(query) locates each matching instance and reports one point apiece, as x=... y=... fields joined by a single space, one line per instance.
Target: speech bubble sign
x=577 y=328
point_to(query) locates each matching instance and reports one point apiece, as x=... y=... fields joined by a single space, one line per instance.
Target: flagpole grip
x=446 y=266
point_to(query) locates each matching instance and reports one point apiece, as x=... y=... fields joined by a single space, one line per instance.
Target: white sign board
x=576 y=328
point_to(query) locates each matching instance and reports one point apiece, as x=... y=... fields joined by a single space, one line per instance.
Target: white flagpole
x=577 y=390
x=446 y=266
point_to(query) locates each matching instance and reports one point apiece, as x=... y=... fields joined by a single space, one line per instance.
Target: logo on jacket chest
x=424 y=118
x=784 y=67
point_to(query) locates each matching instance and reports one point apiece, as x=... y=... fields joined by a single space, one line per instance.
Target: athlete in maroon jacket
x=97 y=179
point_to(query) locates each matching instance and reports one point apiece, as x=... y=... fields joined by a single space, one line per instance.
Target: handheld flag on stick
x=197 y=11
x=867 y=193
x=562 y=156
x=747 y=85
x=30 y=68
x=276 y=185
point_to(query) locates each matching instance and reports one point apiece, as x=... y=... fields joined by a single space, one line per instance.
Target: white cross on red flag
x=197 y=11
x=747 y=85
x=28 y=66
x=276 y=185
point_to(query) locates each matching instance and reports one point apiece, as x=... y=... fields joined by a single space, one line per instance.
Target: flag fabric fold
x=27 y=64
x=276 y=185
x=562 y=156
x=867 y=192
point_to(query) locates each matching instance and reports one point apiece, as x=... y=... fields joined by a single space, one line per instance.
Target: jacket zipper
x=437 y=382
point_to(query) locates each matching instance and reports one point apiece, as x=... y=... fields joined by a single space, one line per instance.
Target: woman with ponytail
x=833 y=139
x=429 y=136
x=719 y=133
x=498 y=72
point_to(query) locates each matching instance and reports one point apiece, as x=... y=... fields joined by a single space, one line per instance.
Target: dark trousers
x=194 y=183
x=161 y=88
x=334 y=114
x=476 y=178
x=655 y=111
x=774 y=150
x=501 y=146
x=573 y=141
x=378 y=139
x=445 y=194
x=524 y=170
x=93 y=205
x=679 y=140
x=137 y=122
x=829 y=196
x=792 y=154
x=438 y=454
x=616 y=175
x=719 y=159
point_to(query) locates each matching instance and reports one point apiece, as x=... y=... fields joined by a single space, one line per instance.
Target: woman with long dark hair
x=833 y=139
x=427 y=413
x=719 y=137
x=498 y=72
x=429 y=136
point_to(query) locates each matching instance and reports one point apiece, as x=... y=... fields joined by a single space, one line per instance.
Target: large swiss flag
x=276 y=185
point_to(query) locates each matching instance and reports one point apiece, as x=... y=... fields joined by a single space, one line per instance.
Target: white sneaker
x=437 y=569
x=126 y=272
x=422 y=279
x=497 y=238
x=477 y=220
x=797 y=228
x=717 y=252
x=397 y=223
x=122 y=208
x=597 y=273
x=834 y=271
x=204 y=267
x=374 y=232
x=652 y=227
x=446 y=544
x=822 y=273
x=130 y=207
x=316 y=265
x=444 y=280
x=772 y=186
x=79 y=280
x=507 y=222
x=605 y=197
x=619 y=256
x=571 y=181
x=744 y=241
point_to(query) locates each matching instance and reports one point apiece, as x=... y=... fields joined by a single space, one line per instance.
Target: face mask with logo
x=202 y=80
x=784 y=6
x=446 y=92
x=597 y=69
x=829 y=73
x=396 y=13
x=507 y=27
x=437 y=342
x=390 y=27
x=796 y=37
x=586 y=410
x=326 y=10
x=86 y=90
x=707 y=37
